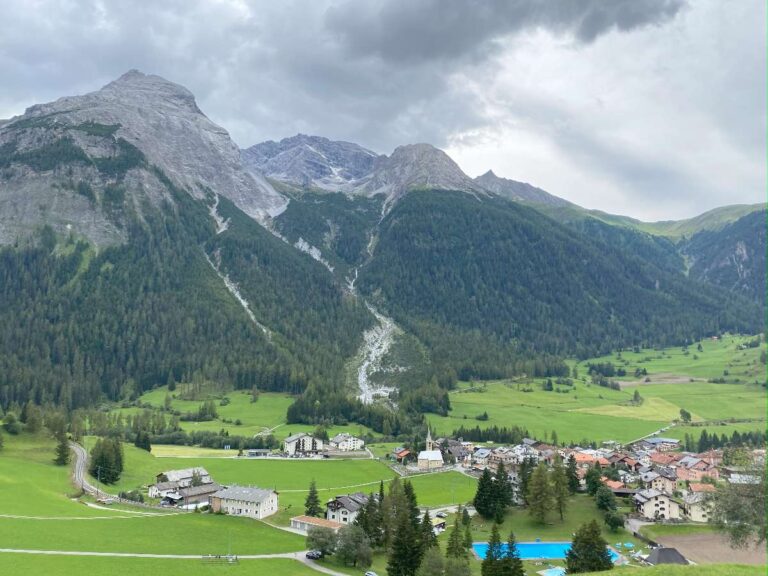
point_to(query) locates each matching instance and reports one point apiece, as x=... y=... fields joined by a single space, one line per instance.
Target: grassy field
x=68 y=565
x=701 y=570
x=267 y=414
x=653 y=531
x=586 y=411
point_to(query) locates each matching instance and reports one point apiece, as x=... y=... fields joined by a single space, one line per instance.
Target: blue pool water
x=536 y=550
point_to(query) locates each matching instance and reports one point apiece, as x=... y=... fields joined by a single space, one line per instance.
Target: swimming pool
x=536 y=550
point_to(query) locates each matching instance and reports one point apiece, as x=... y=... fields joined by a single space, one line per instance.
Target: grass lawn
x=693 y=570
x=716 y=357
x=31 y=485
x=67 y=565
x=267 y=414
x=165 y=534
x=542 y=412
x=719 y=429
x=712 y=401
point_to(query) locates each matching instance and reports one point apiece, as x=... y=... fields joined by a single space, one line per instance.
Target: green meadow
x=266 y=415
x=34 y=565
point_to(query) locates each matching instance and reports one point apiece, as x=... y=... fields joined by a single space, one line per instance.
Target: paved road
x=79 y=476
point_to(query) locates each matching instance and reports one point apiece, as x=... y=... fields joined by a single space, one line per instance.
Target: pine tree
x=511 y=565
x=589 y=551
x=312 y=502
x=605 y=500
x=502 y=493
x=62 y=449
x=468 y=540
x=593 y=479
x=484 y=501
x=465 y=517
x=524 y=476
x=492 y=563
x=428 y=538
x=455 y=547
x=405 y=556
x=540 y=494
x=432 y=564
x=572 y=474
x=560 y=489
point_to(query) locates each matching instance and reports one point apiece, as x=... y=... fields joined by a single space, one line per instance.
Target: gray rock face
x=157 y=117
x=311 y=162
x=416 y=166
x=518 y=191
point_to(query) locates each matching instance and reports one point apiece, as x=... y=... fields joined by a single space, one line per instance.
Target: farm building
x=302 y=443
x=304 y=523
x=246 y=501
x=171 y=483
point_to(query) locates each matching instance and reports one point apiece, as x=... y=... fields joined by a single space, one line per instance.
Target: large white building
x=431 y=458
x=655 y=505
x=302 y=443
x=346 y=443
x=254 y=503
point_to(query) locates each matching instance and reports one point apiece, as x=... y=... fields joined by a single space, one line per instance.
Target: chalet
x=400 y=454
x=346 y=443
x=481 y=456
x=185 y=477
x=344 y=509
x=665 y=481
x=438 y=525
x=304 y=523
x=257 y=503
x=198 y=494
x=654 y=505
x=162 y=489
x=302 y=443
x=612 y=484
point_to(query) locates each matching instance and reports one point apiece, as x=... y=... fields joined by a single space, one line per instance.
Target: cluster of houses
x=663 y=482
x=193 y=488
x=304 y=444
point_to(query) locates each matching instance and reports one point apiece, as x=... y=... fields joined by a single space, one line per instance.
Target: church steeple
x=430 y=443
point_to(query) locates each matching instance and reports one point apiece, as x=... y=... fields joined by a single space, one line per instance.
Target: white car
x=370 y=573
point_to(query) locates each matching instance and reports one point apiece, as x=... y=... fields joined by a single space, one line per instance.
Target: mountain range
x=141 y=246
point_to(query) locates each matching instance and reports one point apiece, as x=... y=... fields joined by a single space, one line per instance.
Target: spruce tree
x=465 y=517
x=62 y=449
x=492 y=563
x=511 y=565
x=524 y=476
x=468 y=537
x=589 y=551
x=540 y=494
x=484 y=497
x=428 y=538
x=572 y=474
x=432 y=564
x=312 y=502
x=593 y=479
x=405 y=556
x=455 y=547
x=502 y=493
x=560 y=489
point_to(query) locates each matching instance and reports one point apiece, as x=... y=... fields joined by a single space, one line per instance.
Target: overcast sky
x=651 y=108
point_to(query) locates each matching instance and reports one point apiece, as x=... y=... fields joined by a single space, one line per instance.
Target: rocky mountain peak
x=311 y=161
x=518 y=191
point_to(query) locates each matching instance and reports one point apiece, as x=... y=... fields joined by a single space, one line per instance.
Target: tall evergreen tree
x=502 y=492
x=484 y=497
x=455 y=547
x=524 y=476
x=560 y=489
x=572 y=474
x=540 y=500
x=589 y=551
x=511 y=564
x=468 y=540
x=62 y=449
x=428 y=538
x=593 y=479
x=405 y=556
x=312 y=502
x=493 y=562
x=432 y=564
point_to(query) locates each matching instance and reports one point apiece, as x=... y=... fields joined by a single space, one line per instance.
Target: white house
x=254 y=503
x=185 y=477
x=655 y=505
x=346 y=442
x=431 y=458
x=302 y=443
x=345 y=509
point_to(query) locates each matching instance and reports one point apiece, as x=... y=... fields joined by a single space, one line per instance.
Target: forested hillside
x=732 y=257
x=493 y=276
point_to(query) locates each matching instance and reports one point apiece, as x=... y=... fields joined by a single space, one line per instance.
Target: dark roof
x=199 y=490
x=351 y=502
x=666 y=556
x=244 y=494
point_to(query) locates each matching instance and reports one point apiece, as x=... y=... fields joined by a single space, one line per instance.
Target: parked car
x=314 y=555
x=370 y=573
x=441 y=515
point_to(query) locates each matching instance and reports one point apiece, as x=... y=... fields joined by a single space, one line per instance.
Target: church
x=431 y=458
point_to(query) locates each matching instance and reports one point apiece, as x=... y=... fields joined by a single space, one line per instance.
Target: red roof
x=698 y=487
x=321 y=522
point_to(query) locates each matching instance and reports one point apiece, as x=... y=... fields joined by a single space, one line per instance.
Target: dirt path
x=713 y=549
x=661 y=378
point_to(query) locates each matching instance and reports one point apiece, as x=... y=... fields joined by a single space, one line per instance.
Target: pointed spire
x=430 y=443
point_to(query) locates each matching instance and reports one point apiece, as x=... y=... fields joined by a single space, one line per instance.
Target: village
x=654 y=479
